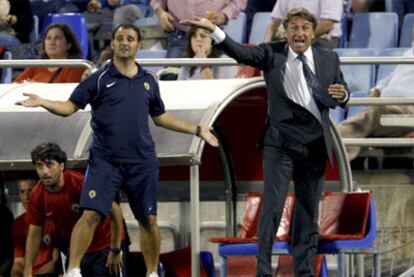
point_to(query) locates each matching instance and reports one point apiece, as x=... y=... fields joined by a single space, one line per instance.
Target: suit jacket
x=289 y=124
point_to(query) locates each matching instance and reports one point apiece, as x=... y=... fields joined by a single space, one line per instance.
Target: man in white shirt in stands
x=328 y=13
x=366 y=123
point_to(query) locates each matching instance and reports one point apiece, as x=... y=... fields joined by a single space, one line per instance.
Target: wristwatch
x=115 y=250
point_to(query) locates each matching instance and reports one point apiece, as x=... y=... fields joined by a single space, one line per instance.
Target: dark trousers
x=306 y=165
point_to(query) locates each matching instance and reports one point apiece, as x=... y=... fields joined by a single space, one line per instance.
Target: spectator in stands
x=48 y=252
x=328 y=12
x=16 y=18
x=6 y=239
x=122 y=12
x=56 y=197
x=171 y=12
x=200 y=45
x=122 y=96
x=59 y=42
x=254 y=6
x=366 y=123
x=358 y=6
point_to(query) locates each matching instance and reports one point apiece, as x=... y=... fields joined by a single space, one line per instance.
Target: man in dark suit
x=303 y=82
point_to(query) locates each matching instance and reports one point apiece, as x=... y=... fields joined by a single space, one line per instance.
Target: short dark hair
x=74 y=51
x=127 y=26
x=302 y=13
x=48 y=151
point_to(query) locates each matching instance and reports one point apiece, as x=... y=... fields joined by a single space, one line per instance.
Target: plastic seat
x=354 y=109
x=236 y=28
x=348 y=226
x=6 y=72
x=359 y=77
x=406 y=35
x=261 y=21
x=385 y=69
x=376 y=30
x=77 y=22
x=34 y=35
x=152 y=54
x=8 y=41
x=337 y=114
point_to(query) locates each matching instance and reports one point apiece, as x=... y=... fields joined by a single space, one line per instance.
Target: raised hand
x=200 y=22
x=32 y=101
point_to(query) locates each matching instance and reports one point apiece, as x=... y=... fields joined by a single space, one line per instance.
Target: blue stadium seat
x=152 y=54
x=406 y=36
x=354 y=109
x=337 y=115
x=385 y=69
x=6 y=73
x=236 y=28
x=376 y=30
x=34 y=35
x=78 y=25
x=359 y=77
x=261 y=21
x=7 y=40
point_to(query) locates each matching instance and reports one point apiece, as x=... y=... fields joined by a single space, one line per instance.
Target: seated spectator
x=16 y=19
x=6 y=240
x=328 y=12
x=366 y=123
x=200 y=45
x=122 y=12
x=171 y=12
x=49 y=252
x=59 y=42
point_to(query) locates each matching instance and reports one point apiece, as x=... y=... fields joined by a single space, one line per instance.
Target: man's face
x=25 y=190
x=125 y=43
x=51 y=173
x=299 y=34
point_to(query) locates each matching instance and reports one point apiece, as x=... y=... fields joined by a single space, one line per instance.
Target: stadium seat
x=359 y=77
x=376 y=30
x=348 y=226
x=352 y=110
x=385 y=69
x=8 y=41
x=406 y=35
x=236 y=28
x=337 y=115
x=6 y=73
x=259 y=25
x=34 y=35
x=78 y=24
x=152 y=54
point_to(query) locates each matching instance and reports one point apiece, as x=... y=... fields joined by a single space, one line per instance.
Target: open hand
x=208 y=136
x=114 y=263
x=200 y=22
x=32 y=101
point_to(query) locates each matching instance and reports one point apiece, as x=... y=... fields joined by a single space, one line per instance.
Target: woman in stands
x=59 y=42
x=200 y=45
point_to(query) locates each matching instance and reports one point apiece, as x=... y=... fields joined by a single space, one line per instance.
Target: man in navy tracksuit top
x=122 y=95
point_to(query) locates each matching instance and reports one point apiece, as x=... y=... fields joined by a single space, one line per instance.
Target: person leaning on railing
x=366 y=123
x=59 y=42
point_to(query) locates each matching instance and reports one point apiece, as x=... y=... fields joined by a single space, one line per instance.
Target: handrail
x=189 y=61
x=47 y=63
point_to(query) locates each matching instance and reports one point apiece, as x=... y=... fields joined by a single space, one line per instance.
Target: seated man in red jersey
x=45 y=262
x=56 y=196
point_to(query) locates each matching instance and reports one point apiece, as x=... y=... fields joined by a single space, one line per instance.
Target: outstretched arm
x=171 y=122
x=62 y=108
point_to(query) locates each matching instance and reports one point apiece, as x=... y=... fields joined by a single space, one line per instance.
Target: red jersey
x=63 y=208
x=48 y=242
